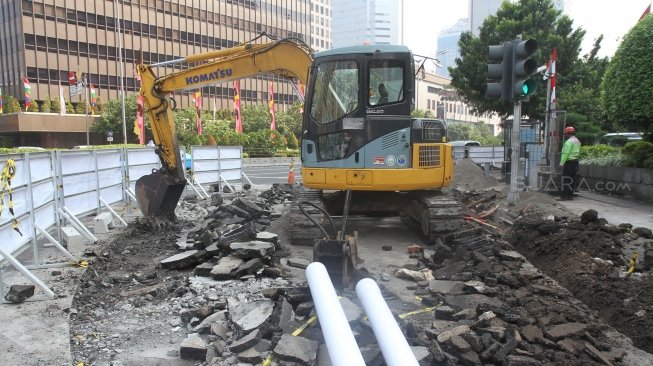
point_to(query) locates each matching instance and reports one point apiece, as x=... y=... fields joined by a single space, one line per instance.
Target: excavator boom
x=158 y=193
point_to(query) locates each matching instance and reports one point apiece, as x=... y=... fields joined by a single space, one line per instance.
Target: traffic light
x=523 y=66
x=499 y=75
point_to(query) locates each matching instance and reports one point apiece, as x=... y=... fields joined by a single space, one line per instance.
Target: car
x=30 y=148
x=620 y=138
x=465 y=143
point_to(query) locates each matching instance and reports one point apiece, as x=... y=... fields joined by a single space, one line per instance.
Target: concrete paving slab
x=616 y=210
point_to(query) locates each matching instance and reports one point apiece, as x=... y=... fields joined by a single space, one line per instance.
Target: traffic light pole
x=516 y=181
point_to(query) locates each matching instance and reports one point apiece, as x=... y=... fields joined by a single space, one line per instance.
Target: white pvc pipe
x=391 y=340
x=341 y=344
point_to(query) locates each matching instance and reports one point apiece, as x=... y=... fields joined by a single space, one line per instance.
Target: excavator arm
x=158 y=193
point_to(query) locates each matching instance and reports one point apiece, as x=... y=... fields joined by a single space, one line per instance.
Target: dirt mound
x=591 y=260
x=468 y=175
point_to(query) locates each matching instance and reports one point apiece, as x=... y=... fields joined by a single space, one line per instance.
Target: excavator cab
x=357 y=129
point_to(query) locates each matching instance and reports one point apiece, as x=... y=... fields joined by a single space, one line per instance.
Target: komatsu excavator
x=357 y=134
x=158 y=193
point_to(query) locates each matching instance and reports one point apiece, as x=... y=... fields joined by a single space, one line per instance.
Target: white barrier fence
x=481 y=154
x=52 y=189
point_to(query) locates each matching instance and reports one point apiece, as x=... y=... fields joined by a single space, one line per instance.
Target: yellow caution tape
x=633 y=262
x=308 y=323
x=8 y=173
x=268 y=360
x=82 y=264
x=419 y=311
x=79 y=364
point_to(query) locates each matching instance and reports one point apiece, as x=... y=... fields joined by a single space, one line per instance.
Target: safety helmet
x=570 y=130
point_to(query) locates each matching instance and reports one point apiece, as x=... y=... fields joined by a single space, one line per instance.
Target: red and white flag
x=239 y=121
x=552 y=72
x=273 y=121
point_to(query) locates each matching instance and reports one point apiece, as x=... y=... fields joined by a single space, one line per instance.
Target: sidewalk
x=616 y=210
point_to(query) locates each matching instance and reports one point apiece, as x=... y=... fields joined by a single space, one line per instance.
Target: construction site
x=538 y=282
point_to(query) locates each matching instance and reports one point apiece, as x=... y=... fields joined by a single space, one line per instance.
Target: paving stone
x=19 y=293
x=251 y=249
x=469 y=301
x=470 y=358
x=301 y=263
x=459 y=344
x=250 y=315
x=445 y=336
x=422 y=355
x=296 y=349
x=444 y=313
x=352 y=312
x=245 y=342
x=565 y=330
x=251 y=356
x=183 y=260
x=511 y=255
x=514 y=360
x=287 y=321
x=251 y=267
x=204 y=269
x=224 y=268
x=531 y=332
x=193 y=348
x=268 y=237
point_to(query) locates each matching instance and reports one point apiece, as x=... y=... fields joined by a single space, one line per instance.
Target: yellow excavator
x=357 y=133
x=158 y=193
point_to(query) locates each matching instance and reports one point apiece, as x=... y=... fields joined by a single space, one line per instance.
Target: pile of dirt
x=591 y=259
x=468 y=175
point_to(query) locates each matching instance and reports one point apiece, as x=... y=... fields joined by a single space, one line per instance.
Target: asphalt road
x=271 y=174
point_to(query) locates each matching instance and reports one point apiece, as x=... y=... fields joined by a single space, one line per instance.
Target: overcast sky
x=424 y=19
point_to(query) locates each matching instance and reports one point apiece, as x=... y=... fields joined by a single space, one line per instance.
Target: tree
x=56 y=106
x=80 y=108
x=587 y=131
x=33 y=106
x=111 y=118
x=628 y=83
x=580 y=95
x=534 y=19
x=12 y=105
x=46 y=106
x=255 y=117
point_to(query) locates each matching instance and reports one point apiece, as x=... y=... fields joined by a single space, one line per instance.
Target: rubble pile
x=592 y=259
x=220 y=290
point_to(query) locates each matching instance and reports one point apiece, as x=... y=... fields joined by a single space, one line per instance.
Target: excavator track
x=441 y=215
x=302 y=230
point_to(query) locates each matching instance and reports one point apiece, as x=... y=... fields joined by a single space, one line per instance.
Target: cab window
x=386 y=79
x=336 y=91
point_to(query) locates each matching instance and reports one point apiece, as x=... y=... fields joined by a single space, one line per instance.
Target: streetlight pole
x=117 y=6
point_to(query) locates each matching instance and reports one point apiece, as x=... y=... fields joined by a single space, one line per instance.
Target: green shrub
x=33 y=106
x=602 y=155
x=639 y=154
x=46 y=106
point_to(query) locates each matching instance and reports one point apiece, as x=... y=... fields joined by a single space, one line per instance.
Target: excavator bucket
x=158 y=194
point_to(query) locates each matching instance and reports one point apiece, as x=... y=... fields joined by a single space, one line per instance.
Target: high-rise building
x=448 y=46
x=357 y=22
x=321 y=25
x=479 y=10
x=45 y=39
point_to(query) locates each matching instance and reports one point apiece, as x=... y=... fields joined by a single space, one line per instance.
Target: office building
x=321 y=25
x=357 y=22
x=448 y=49
x=45 y=39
